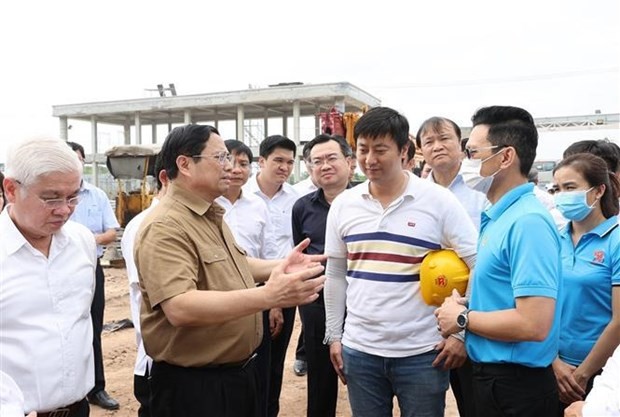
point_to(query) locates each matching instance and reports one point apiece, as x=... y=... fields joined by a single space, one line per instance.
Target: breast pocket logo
x=599 y=257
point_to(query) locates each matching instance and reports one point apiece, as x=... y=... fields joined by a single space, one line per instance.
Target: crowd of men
x=219 y=263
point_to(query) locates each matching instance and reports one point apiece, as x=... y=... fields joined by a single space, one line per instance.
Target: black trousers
x=279 y=345
x=96 y=314
x=203 y=392
x=509 y=390
x=300 y=351
x=142 y=392
x=461 y=383
x=263 y=366
x=322 y=379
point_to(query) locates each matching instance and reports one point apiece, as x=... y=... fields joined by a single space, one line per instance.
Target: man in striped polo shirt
x=376 y=238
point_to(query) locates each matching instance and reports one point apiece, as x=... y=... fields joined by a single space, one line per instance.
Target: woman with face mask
x=590 y=298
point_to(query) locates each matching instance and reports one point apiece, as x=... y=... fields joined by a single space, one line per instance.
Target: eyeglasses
x=220 y=157
x=56 y=203
x=330 y=160
x=469 y=152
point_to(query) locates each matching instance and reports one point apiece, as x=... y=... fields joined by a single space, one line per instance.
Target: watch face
x=461 y=320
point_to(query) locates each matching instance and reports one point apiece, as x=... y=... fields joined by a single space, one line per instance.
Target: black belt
x=500 y=369
x=211 y=367
x=66 y=411
x=231 y=365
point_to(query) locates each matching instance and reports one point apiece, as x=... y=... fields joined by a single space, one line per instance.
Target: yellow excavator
x=131 y=165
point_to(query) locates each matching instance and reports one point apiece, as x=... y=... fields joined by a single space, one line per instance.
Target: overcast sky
x=554 y=58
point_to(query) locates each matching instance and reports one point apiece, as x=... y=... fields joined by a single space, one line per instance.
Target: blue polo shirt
x=518 y=256
x=589 y=270
x=94 y=211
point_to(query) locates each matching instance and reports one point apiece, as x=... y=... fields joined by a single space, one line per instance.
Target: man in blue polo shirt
x=512 y=321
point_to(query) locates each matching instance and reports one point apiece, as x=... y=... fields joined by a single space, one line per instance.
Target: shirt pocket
x=215 y=269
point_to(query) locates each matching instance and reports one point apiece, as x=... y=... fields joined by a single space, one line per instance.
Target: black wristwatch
x=463 y=319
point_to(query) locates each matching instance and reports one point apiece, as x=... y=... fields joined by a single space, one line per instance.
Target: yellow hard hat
x=441 y=272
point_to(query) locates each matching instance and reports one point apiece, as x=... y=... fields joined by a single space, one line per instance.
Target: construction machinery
x=131 y=166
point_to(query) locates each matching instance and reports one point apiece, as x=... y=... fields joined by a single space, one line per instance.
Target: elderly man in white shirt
x=47 y=280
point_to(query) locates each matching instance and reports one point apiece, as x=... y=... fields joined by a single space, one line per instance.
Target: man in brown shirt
x=200 y=316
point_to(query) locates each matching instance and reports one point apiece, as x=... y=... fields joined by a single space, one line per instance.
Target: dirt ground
x=119 y=355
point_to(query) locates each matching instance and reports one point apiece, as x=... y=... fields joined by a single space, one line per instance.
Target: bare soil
x=119 y=354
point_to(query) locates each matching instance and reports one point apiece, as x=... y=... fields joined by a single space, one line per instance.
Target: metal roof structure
x=283 y=100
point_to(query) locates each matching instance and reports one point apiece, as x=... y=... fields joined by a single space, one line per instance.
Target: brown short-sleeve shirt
x=184 y=245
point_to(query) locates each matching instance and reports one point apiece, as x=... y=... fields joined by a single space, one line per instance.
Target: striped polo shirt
x=384 y=248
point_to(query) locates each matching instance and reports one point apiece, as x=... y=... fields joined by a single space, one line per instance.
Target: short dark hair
x=411 y=151
x=185 y=140
x=322 y=138
x=434 y=124
x=77 y=148
x=596 y=172
x=510 y=126
x=382 y=121
x=270 y=143
x=235 y=146
x=157 y=167
x=601 y=148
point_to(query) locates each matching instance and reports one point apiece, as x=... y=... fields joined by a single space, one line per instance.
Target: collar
x=85 y=186
x=13 y=238
x=508 y=199
x=319 y=195
x=411 y=189
x=196 y=204
x=602 y=229
x=455 y=181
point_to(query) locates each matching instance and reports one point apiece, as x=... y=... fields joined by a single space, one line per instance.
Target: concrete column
x=64 y=128
x=266 y=123
x=138 y=125
x=296 y=136
x=95 y=149
x=127 y=130
x=317 y=120
x=216 y=120
x=285 y=124
x=339 y=104
x=240 y=122
x=187 y=117
x=154 y=133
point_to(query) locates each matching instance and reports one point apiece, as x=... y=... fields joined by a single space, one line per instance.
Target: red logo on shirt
x=599 y=256
x=411 y=224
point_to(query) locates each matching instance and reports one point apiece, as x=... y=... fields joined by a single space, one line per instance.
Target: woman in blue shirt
x=590 y=296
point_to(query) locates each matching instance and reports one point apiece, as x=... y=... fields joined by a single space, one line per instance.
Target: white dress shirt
x=604 y=398
x=247 y=218
x=46 y=330
x=305 y=187
x=279 y=234
x=143 y=361
x=11 y=397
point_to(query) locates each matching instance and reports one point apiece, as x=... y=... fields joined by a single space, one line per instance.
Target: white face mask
x=470 y=170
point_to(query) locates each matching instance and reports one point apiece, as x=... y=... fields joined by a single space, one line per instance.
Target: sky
x=448 y=58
